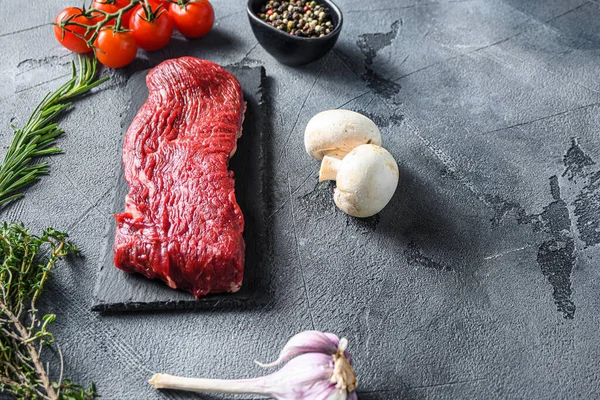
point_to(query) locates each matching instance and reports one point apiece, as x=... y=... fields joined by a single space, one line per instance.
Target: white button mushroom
x=366 y=179
x=337 y=132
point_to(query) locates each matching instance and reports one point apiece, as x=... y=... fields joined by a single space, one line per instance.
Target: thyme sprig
x=23 y=335
x=37 y=137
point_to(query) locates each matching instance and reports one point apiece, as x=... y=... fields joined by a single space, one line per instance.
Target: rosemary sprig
x=23 y=335
x=37 y=137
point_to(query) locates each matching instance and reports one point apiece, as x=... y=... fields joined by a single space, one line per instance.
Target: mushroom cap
x=337 y=132
x=366 y=181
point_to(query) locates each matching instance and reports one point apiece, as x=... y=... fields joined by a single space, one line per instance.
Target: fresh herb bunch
x=23 y=335
x=37 y=137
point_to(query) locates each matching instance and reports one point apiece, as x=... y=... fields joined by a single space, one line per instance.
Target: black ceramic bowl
x=293 y=50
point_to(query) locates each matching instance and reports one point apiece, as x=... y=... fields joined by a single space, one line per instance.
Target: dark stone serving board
x=118 y=291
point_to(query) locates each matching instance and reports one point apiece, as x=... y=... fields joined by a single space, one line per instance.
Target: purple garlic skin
x=306 y=342
x=304 y=377
x=319 y=368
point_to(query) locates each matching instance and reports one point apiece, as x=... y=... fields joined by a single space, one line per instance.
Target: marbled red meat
x=182 y=223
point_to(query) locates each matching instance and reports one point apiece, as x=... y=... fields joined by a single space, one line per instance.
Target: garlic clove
x=303 y=377
x=334 y=339
x=323 y=374
x=333 y=393
x=323 y=391
x=306 y=342
x=338 y=394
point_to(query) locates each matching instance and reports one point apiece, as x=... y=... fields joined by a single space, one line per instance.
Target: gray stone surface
x=480 y=280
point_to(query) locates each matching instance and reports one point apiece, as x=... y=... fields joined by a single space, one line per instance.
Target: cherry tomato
x=193 y=20
x=112 y=6
x=151 y=35
x=105 y=6
x=108 y=6
x=72 y=36
x=153 y=3
x=165 y=4
x=115 y=49
x=127 y=15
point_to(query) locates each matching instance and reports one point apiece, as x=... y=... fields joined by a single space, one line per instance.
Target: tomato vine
x=114 y=29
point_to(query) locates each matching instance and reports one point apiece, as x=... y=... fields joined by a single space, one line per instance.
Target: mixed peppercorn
x=298 y=17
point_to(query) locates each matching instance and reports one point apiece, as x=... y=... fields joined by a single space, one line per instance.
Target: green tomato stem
x=96 y=28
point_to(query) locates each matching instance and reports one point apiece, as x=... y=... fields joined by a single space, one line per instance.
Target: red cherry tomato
x=151 y=35
x=115 y=49
x=72 y=36
x=193 y=20
x=127 y=15
x=106 y=6
x=111 y=7
x=165 y=4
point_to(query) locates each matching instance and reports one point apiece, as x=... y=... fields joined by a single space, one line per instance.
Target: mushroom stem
x=329 y=168
x=242 y=386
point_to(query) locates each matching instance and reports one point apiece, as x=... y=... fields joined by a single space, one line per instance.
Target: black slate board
x=118 y=291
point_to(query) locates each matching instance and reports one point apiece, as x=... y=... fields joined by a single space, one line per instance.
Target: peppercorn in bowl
x=295 y=32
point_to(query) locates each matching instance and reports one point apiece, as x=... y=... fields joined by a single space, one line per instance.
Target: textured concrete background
x=481 y=278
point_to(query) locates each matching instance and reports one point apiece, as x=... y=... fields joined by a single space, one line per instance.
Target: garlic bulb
x=320 y=368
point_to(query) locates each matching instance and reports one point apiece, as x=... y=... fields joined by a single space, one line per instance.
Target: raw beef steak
x=181 y=222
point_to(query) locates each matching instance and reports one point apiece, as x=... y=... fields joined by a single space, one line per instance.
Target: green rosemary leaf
x=47 y=152
x=13 y=197
x=37 y=136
